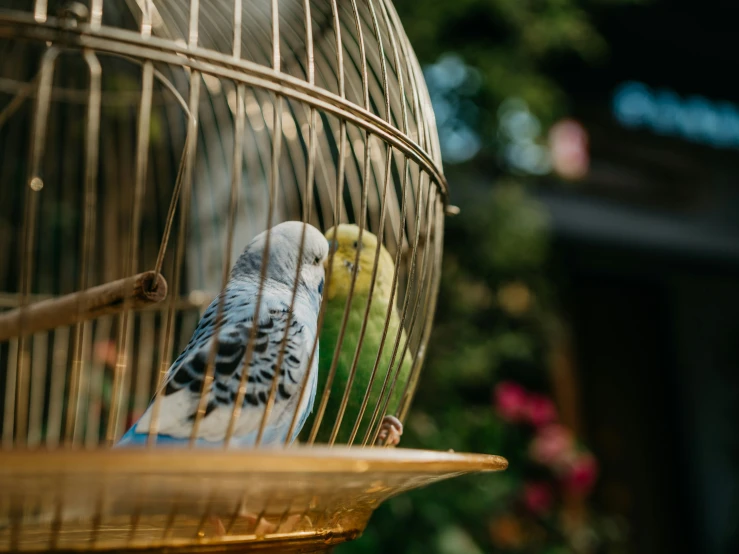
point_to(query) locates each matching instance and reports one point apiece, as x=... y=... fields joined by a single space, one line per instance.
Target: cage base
x=299 y=499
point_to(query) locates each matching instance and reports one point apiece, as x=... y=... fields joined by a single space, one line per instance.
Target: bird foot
x=390 y=431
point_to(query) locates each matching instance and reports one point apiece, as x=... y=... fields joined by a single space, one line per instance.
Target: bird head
x=285 y=246
x=349 y=251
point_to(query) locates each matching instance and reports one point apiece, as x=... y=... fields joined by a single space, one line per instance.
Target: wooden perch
x=133 y=293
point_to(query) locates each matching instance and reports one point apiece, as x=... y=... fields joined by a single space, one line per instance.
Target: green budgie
x=344 y=240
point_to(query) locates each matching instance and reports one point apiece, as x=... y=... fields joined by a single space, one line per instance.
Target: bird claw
x=390 y=431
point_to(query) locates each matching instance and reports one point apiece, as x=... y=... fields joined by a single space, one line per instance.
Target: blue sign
x=693 y=118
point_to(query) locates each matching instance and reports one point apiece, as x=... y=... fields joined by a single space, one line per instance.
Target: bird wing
x=184 y=382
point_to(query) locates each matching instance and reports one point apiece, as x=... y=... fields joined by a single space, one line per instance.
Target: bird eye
x=317 y=260
x=356 y=244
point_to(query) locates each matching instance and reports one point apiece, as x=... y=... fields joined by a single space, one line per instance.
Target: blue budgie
x=184 y=380
x=183 y=383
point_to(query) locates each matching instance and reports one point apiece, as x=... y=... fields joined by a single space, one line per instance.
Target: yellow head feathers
x=344 y=240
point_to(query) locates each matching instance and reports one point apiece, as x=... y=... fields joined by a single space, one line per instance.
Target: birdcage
x=144 y=144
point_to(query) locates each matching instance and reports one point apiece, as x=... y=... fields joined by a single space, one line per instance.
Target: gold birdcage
x=143 y=145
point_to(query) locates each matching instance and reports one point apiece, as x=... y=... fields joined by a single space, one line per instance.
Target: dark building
x=648 y=248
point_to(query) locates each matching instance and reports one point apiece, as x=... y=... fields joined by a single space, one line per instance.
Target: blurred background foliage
x=486 y=384
x=480 y=53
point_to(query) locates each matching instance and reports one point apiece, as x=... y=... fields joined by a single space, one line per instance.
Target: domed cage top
x=144 y=144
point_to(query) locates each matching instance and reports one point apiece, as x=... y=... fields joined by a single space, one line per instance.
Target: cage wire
x=143 y=145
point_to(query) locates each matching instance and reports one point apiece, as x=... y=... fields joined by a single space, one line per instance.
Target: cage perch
x=132 y=293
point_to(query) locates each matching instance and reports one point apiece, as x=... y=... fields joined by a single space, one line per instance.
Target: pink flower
x=568 y=144
x=511 y=400
x=582 y=474
x=538 y=497
x=540 y=410
x=552 y=446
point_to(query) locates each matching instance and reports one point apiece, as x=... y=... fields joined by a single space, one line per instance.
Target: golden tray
x=301 y=499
